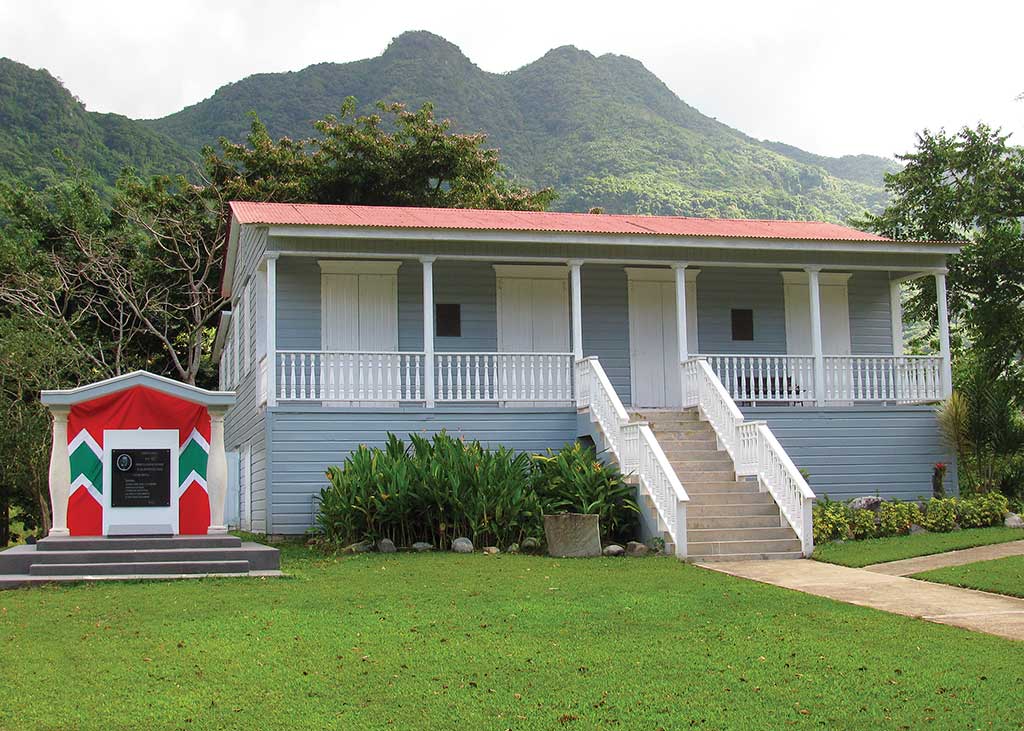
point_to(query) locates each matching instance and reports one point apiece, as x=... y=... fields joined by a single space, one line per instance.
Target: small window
x=742 y=324
x=449 y=321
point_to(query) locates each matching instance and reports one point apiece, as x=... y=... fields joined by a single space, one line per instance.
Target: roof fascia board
x=227 y=281
x=557 y=237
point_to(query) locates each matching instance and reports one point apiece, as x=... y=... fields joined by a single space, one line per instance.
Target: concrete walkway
x=909 y=566
x=973 y=610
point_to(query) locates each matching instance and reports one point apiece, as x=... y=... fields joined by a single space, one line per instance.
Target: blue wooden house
x=718 y=361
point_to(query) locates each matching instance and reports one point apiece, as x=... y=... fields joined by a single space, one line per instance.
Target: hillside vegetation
x=603 y=131
x=38 y=116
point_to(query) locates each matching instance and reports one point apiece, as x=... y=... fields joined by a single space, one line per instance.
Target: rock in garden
x=420 y=547
x=360 y=547
x=529 y=545
x=462 y=545
x=513 y=548
x=572 y=535
x=915 y=529
x=868 y=502
x=636 y=548
x=613 y=549
x=1013 y=521
x=491 y=550
x=386 y=545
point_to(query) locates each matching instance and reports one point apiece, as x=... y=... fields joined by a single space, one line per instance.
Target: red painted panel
x=85 y=515
x=138 y=407
x=193 y=511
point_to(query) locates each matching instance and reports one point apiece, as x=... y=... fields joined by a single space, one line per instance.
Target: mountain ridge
x=602 y=130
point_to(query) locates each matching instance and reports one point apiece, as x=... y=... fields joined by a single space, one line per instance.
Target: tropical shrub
x=981 y=420
x=831 y=520
x=939 y=515
x=992 y=507
x=896 y=517
x=574 y=480
x=436 y=490
x=863 y=524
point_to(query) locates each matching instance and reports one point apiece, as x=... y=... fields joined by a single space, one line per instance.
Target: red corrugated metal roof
x=308 y=214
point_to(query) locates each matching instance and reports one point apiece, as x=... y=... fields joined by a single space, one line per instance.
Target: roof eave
x=315 y=231
x=71 y=396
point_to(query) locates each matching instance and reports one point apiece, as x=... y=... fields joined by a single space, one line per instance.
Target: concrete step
x=692 y=476
x=698 y=462
x=707 y=486
x=658 y=414
x=727 y=535
x=149 y=568
x=700 y=522
x=686 y=448
x=766 y=556
x=728 y=498
x=683 y=431
x=711 y=509
x=99 y=543
x=717 y=548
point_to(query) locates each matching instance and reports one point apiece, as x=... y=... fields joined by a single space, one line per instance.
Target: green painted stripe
x=193 y=457
x=85 y=462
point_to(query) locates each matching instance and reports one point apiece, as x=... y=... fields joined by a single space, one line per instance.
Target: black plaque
x=140 y=478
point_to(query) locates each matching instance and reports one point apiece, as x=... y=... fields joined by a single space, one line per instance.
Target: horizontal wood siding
x=853 y=451
x=471 y=284
x=870 y=324
x=244 y=423
x=605 y=295
x=719 y=291
x=298 y=304
x=307 y=441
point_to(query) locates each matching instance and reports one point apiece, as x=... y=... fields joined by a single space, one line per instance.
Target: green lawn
x=880 y=550
x=474 y=642
x=1000 y=575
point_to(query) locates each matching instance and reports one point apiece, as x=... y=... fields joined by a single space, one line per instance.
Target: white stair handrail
x=636 y=449
x=753 y=447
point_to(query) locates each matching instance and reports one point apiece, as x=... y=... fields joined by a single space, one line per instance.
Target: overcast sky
x=830 y=77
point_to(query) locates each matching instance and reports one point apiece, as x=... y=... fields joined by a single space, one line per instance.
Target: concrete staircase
x=727 y=519
x=99 y=558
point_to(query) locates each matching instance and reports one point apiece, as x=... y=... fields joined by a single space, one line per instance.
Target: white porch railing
x=394 y=377
x=506 y=377
x=349 y=376
x=753 y=448
x=899 y=378
x=786 y=378
x=847 y=378
x=636 y=448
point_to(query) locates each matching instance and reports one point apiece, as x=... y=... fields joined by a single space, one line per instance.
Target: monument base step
x=89 y=558
x=14 y=581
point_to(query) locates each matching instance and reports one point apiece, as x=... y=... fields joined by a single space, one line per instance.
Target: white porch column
x=577 y=308
x=428 y=328
x=60 y=472
x=819 y=359
x=271 y=330
x=896 y=314
x=217 y=473
x=947 y=363
x=681 y=334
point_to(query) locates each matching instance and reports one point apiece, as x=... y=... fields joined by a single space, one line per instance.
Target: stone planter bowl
x=572 y=535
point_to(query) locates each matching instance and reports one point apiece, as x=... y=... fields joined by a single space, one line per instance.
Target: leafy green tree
x=967 y=186
x=401 y=158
